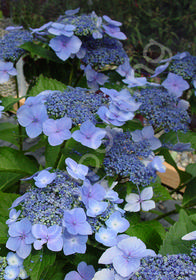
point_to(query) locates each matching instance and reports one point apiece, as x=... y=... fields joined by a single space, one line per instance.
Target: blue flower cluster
x=193 y=252
x=47 y=205
x=162 y=109
x=185 y=67
x=168 y=267
x=3 y=264
x=9 y=44
x=79 y=104
x=85 y=24
x=62 y=212
x=103 y=53
x=127 y=158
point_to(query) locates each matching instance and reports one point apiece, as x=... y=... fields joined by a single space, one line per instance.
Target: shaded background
x=171 y=23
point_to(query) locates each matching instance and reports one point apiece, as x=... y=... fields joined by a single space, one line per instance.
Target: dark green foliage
x=171 y=23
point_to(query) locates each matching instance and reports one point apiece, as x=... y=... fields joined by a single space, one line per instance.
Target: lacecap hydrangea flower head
x=163 y=109
x=54 y=112
x=10 y=44
x=61 y=210
x=132 y=156
x=94 y=40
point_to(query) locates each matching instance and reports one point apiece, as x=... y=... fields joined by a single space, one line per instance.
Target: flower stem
x=60 y=156
x=19 y=126
x=71 y=76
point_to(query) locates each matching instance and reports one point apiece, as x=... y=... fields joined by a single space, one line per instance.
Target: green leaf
x=160 y=192
x=171 y=137
x=151 y=233
x=37 y=49
x=8 y=179
x=191 y=169
x=189 y=137
x=6 y=202
x=55 y=272
x=51 y=154
x=91 y=257
x=44 y=83
x=9 y=133
x=38 y=262
x=132 y=125
x=168 y=158
x=173 y=244
x=9 y=101
x=189 y=197
x=15 y=161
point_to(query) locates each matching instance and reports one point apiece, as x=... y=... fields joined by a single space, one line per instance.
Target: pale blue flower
x=113 y=196
x=62 y=29
x=124 y=69
x=112 y=29
x=94 y=79
x=23 y=273
x=13 y=216
x=142 y=201
x=123 y=100
x=81 y=54
x=89 y=135
x=18 y=200
x=175 y=84
x=160 y=69
x=14 y=259
x=40 y=30
x=75 y=222
x=33 y=120
x=51 y=235
x=114 y=32
x=106 y=236
x=21 y=238
x=77 y=171
x=133 y=81
x=117 y=223
x=183 y=104
x=111 y=21
x=126 y=255
x=157 y=164
x=11 y=28
x=95 y=192
x=98 y=32
x=72 y=12
x=74 y=243
x=6 y=69
x=180 y=147
x=57 y=130
x=44 y=178
x=176 y=56
x=147 y=133
x=113 y=115
x=96 y=208
x=11 y=272
x=65 y=46
x=190 y=236
x=85 y=272
x=104 y=274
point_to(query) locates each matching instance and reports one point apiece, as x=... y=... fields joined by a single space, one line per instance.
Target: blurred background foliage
x=171 y=23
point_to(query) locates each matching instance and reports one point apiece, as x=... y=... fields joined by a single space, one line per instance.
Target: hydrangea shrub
x=105 y=134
